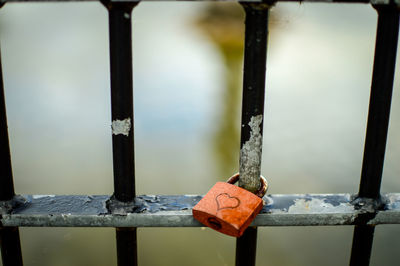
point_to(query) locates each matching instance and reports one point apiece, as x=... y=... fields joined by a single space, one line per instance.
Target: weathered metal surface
x=251 y=133
x=120 y=31
x=254 y=68
x=175 y=211
x=121 y=77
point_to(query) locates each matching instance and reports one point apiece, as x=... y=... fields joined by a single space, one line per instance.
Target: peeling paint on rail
x=175 y=211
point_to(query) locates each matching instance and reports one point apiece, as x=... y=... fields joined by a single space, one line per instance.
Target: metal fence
x=126 y=211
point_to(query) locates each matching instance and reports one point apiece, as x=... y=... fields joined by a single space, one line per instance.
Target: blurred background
x=187 y=61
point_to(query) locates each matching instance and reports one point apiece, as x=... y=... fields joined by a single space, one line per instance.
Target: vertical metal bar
x=120 y=31
x=362 y=245
x=120 y=34
x=255 y=53
x=9 y=236
x=10 y=246
x=246 y=247
x=377 y=127
x=380 y=100
x=6 y=177
x=126 y=245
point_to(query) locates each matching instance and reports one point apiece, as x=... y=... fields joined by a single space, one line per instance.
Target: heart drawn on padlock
x=226 y=201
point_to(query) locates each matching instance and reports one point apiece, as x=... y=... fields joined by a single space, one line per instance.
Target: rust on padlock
x=228 y=209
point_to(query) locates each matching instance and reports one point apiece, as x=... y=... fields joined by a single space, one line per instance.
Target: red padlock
x=229 y=209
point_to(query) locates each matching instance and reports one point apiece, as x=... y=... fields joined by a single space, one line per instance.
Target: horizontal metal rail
x=175 y=211
x=374 y=2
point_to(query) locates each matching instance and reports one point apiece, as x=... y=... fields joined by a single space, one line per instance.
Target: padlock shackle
x=260 y=192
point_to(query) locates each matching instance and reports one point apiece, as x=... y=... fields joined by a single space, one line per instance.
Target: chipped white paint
x=250 y=157
x=42 y=196
x=121 y=126
x=316 y=205
x=281 y=210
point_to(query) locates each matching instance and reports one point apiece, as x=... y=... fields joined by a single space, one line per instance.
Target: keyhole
x=214 y=223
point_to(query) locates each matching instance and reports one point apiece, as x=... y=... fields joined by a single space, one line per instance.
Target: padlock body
x=228 y=209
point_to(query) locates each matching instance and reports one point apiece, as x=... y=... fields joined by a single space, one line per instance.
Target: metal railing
x=126 y=211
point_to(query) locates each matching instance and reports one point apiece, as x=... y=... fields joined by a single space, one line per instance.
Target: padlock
x=229 y=209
